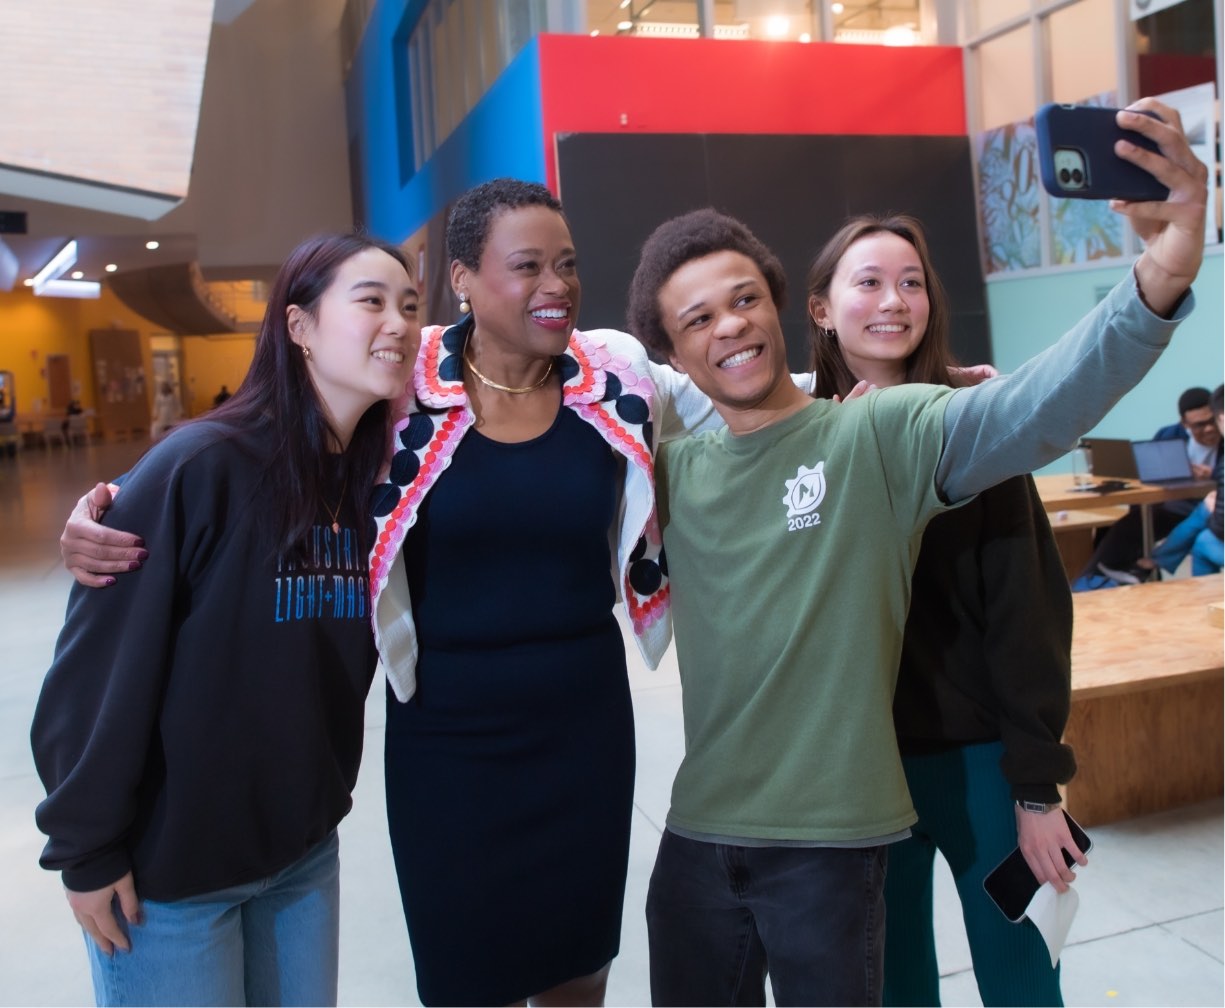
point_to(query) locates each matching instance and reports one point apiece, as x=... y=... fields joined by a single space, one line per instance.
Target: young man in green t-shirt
x=791 y=536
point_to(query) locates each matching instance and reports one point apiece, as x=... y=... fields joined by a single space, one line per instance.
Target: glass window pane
x=1006 y=91
x=987 y=14
x=1081 y=40
x=1176 y=48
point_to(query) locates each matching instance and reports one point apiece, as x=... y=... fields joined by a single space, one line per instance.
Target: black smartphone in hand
x=1011 y=885
x=1076 y=157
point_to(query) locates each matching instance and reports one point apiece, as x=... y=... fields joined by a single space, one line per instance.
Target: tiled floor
x=1149 y=931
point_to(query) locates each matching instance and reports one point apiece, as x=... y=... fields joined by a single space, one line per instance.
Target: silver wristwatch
x=1037 y=806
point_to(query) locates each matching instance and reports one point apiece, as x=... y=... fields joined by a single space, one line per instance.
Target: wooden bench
x=1147 y=698
x=1074 y=534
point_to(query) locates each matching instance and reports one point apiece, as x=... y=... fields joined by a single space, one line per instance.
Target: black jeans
x=720 y=917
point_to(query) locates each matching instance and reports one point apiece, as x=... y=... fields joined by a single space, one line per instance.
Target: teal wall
x=1029 y=313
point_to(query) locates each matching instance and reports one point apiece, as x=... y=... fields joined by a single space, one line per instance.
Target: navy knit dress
x=510 y=772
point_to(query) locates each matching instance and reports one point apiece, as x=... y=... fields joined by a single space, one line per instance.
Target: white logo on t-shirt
x=804 y=495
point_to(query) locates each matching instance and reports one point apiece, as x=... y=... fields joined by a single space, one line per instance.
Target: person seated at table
x=1118 y=550
x=1200 y=533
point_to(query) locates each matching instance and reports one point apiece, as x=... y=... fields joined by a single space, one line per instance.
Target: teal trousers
x=967 y=813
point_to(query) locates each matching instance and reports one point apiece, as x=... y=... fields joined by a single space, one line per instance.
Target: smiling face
x=878 y=304
x=363 y=336
x=525 y=295
x=1203 y=426
x=725 y=333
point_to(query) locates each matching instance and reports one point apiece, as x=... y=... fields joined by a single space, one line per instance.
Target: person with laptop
x=1116 y=555
x=1200 y=533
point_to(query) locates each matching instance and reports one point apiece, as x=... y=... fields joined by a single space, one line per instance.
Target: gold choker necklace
x=506 y=388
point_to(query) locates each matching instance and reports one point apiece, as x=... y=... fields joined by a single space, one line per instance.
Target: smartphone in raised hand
x=1076 y=157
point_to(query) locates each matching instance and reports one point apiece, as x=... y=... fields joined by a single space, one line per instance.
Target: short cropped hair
x=471 y=218
x=681 y=240
x=1193 y=398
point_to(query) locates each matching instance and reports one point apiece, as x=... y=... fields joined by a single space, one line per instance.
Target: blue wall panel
x=502 y=135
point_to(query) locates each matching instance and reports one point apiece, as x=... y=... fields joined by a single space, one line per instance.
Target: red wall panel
x=606 y=85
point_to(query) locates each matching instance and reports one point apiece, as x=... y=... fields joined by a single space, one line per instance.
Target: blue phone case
x=1076 y=155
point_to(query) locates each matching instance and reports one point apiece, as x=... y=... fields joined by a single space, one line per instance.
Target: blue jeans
x=720 y=917
x=271 y=942
x=1186 y=538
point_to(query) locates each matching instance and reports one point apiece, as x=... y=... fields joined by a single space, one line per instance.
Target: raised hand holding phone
x=1077 y=159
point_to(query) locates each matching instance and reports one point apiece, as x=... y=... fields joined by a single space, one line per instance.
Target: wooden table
x=1061 y=499
x=1074 y=534
x=1146 y=719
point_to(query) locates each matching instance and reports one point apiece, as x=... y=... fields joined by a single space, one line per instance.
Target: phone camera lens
x=1078 y=176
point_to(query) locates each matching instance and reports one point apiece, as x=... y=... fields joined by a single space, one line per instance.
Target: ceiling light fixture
x=151 y=245
x=111 y=267
x=47 y=282
x=777 y=26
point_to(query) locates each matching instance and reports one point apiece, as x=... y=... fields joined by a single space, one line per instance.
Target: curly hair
x=678 y=241
x=932 y=358
x=471 y=218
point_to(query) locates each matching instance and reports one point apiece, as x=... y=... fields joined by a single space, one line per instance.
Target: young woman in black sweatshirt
x=200 y=728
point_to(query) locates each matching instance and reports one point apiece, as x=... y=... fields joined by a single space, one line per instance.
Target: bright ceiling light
x=46 y=282
x=837 y=8
x=777 y=26
x=78 y=275
x=151 y=245
x=70 y=288
x=624 y=25
x=805 y=37
x=111 y=267
x=900 y=35
x=29 y=282
x=60 y=263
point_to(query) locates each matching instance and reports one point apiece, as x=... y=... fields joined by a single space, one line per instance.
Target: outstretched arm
x=92 y=551
x=1022 y=421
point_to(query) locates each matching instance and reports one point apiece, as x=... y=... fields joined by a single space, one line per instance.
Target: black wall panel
x=793 y=191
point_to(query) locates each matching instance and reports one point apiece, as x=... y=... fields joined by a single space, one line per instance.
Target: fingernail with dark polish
x=142 y=556
x=134 y=565
x=140 y=542
x=109 y=581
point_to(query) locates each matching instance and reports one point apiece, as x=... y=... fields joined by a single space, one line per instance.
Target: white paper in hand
x=1052 y=914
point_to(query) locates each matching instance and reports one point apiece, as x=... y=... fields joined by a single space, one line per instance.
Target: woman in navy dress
x=521 y=478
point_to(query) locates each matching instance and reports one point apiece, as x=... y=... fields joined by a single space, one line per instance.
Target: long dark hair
x=933 y=357
x=277 y=395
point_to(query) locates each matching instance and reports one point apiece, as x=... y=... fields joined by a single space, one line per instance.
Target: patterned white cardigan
x=609 y=382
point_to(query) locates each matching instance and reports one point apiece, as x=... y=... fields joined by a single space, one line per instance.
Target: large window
x=1024 y=53
x=455 y=52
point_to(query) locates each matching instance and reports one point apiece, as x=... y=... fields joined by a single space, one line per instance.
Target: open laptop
x=1113 y=458
x=1163 y=463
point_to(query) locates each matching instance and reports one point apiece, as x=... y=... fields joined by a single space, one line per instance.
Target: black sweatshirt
x=202 y=722
x=986 y=654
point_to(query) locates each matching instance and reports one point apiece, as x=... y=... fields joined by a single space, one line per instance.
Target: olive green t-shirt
x=790 y=552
